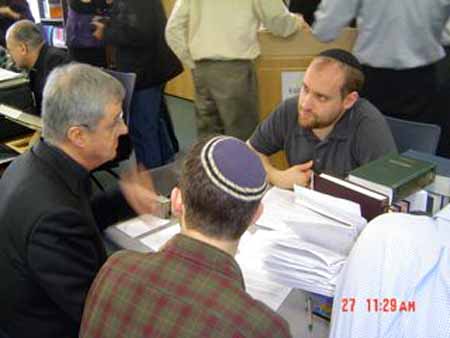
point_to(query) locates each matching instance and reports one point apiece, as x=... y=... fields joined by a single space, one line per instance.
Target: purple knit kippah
x=234 y=168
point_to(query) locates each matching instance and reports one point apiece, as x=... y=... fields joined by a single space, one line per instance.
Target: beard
x=310 y=121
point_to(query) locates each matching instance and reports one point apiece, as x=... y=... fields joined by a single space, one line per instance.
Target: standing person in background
x=10 y=12
x=218 y=41
x=83 y=47
x=304 y=7
x=399 y=45
x=136 y=28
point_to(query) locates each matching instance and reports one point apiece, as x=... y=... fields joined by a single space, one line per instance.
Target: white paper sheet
x=156 y=240
x=140 y=225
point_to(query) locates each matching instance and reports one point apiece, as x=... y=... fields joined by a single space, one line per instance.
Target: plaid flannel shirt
x=188 y=289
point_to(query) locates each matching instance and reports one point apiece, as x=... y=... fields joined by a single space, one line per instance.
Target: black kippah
x=343 y=56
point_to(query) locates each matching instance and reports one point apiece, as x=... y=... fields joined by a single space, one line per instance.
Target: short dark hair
x=353 y=77
x=208 y=209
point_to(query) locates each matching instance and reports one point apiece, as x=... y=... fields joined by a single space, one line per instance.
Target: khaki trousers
x=226 y=97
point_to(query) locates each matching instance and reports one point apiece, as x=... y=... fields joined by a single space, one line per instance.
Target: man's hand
x=298 y=174
x=99 y=29
x=302 y=24
x=137 y=186
x=6 y=11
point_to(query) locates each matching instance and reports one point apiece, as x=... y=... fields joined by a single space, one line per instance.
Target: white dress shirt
x=396 y=34
x=401 y=258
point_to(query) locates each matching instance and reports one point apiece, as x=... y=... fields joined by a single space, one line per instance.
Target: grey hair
x=76 y=94
x=26 y=32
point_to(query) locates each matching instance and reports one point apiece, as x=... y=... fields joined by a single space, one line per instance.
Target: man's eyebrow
x=314 y=91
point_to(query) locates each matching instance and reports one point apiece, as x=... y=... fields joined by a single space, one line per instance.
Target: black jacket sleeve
x=110 y=207
x=64 y=257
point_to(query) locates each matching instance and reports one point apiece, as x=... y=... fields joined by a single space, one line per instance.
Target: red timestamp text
x=352 y=304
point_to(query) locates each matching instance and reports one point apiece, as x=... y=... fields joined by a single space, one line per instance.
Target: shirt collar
x=204 y=254
x=41 y=58
x=71 y=172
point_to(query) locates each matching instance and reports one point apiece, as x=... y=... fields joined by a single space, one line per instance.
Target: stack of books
x=394 y=175
x=372 y=203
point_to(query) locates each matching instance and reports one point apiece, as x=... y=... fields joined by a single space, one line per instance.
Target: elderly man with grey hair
x=50 y=223
x=27 y=48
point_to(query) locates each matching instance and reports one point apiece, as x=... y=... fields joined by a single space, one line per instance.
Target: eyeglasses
x=118 y=120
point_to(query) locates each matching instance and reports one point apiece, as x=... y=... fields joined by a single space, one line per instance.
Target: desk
x=292 y=309
x=16 y=93
x=21 y=143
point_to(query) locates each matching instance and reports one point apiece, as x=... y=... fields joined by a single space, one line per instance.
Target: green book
x=394 y=175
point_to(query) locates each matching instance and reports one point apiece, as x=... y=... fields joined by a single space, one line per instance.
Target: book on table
x=372 y=203
x=394 y=175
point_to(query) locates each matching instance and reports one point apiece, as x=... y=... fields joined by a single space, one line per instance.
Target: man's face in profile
x=103 y=139
x=17 y=51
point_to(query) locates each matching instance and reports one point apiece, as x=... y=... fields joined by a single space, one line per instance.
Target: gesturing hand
x=137 y=186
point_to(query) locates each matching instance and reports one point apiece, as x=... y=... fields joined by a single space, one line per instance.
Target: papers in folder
x=31 y=121
x=7 y=75
x=9 y=79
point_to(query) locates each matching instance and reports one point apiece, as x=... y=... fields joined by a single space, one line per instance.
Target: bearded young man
x=327 y=128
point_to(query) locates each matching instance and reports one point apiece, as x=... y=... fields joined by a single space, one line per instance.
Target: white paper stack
x=257 y=279
x=312 y=234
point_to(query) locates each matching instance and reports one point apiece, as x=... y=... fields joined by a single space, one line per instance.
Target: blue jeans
x=148 y=131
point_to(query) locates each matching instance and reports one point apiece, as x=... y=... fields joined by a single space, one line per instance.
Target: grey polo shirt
x=361 y=135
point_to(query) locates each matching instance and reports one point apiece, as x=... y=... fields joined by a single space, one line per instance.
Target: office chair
x=414 y=135
x=124 y=148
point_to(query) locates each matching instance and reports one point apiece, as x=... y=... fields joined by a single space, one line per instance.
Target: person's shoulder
x=364 y=114
x=365 y=108
x=127 y=261
x=263 y=318
x=23 y=168
x=57 y=56
x=290 y=104
x=400 y=227
x=287 y=109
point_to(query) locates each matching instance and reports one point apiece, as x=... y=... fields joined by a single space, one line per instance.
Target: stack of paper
x=294 y=263
x=6 y=75
x=257 y=279
x=311 y=235
x=9 y=79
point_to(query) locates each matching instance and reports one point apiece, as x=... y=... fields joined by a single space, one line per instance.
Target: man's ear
x=176 y=202
x=350 y=100
x=77 y=136
x=257 y=213
x=23 y=48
